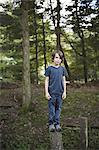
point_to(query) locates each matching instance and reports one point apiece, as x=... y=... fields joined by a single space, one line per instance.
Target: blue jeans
x=54 y=105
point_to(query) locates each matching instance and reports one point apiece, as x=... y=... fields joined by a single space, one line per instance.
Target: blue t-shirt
x=55 y=75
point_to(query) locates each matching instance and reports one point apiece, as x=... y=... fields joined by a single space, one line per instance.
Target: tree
x=26 y=55
x=58 y=30
x=93 y=42
x=45 y=61
x=78 y=18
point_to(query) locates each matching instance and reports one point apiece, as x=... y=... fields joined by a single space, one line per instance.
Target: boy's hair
x=59 y=53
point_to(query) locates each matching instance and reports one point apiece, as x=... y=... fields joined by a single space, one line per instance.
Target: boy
x=55 y=89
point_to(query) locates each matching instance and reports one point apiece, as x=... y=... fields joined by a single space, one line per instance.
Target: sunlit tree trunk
x=26 y=54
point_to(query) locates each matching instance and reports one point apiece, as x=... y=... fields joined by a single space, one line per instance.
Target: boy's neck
x=55 y=65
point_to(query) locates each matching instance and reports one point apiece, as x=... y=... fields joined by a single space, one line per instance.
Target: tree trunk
x=45 y=61
x=96 y=65
x=26 y=54
x=56 y=141
x=81 y=36
x=58 y=32
x=36 y=44
x=58 y=26
x=84 y=58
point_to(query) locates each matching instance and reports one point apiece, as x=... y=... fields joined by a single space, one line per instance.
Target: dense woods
x=48 y=31
x=31 y=30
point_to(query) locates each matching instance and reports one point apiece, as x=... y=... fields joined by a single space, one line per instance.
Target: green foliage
x=11 y=43
x=83 y=16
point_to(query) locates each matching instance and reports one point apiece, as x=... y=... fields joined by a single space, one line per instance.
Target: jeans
x=54 y=105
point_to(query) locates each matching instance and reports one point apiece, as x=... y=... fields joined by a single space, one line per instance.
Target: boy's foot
x=58 y=128
x=51 y=128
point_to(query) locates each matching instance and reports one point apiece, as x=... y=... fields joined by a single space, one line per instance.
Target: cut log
x=56 y=141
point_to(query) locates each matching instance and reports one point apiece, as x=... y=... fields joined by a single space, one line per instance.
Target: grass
x=29 y=131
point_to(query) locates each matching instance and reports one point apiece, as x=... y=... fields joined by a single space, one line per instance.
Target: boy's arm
x=64 y=84
x=46 y=88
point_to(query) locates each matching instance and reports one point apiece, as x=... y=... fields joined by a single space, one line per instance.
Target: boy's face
x=57 y=60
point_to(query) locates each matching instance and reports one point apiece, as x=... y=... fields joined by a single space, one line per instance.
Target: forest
x=30 y=30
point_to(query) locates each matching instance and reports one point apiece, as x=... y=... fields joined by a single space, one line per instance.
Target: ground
x=29 y=130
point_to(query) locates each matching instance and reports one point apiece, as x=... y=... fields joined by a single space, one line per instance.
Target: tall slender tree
x=81 y=36
x=26 y=55
x=58 y=30
x=45 y=61
x=36 y=39
x=58 y=47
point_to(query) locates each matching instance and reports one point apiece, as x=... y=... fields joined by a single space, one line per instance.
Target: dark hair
x=59 y=53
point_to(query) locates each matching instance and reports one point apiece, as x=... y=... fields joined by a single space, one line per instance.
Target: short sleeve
x=65 y=73
x=47 y=72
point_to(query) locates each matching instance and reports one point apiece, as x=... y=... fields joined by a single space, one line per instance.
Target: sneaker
x=58 y=128
x=51 y=128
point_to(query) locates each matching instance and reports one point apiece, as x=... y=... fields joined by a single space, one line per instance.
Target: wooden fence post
x=56 y=141
x=83 y=133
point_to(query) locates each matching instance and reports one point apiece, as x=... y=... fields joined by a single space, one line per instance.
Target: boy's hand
x=64 y=95
x=48 y=96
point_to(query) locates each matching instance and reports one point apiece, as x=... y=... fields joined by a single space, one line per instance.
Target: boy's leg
x=58 y=110
x=51 y=107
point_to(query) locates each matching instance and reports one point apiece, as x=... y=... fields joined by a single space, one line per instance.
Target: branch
x=71 y=45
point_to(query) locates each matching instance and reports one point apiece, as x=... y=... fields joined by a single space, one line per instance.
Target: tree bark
x=26 y=54
x=84 y=59
x=36 y=44
x=45 y=61
x=56 y=141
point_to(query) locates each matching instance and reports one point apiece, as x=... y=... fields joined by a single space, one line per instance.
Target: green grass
x=29 y=131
